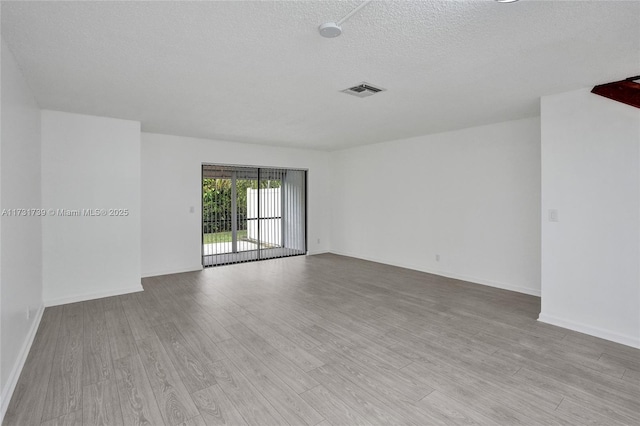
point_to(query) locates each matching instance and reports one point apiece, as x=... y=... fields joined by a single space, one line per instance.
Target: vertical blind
x=252 y=213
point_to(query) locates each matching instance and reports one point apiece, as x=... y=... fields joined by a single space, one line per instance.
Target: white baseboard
x=91 y=296
x=171 y=271
x=14 y=375
x=475 y=280
x=312 y=253
x=634 y=342
x=490 y=283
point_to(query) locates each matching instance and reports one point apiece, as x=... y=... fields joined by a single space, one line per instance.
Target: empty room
x=317 y=213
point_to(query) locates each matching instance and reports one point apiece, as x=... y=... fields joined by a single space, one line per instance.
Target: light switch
x=192 y=209
x=553 y=215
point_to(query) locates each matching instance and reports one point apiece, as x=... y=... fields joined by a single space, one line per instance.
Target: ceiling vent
x=363 y=90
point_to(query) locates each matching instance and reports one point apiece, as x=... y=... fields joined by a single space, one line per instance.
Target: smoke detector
x=363 y=90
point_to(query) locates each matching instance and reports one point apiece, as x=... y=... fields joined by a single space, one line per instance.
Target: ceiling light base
x=330 y=30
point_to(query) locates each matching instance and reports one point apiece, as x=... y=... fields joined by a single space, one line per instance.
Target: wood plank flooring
x=319 y=340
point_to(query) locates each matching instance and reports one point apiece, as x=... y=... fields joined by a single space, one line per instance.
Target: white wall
x=171 y=185
x=21 y=252
x=471 y=196
x=90 y=163
x=591 y=256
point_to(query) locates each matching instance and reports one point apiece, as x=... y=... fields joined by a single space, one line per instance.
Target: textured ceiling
x=260 y=72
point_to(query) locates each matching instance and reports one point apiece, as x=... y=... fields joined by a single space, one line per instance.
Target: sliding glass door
x=251 y=213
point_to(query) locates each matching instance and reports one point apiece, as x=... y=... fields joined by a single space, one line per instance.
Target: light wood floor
x=319 y=340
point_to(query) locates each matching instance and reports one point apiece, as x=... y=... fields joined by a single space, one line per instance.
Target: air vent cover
x=363 y=90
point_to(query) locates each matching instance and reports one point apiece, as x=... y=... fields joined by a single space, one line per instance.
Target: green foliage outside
x=223 y=237
x=216 y=202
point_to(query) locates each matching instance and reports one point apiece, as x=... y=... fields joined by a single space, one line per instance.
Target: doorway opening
x=252 y=213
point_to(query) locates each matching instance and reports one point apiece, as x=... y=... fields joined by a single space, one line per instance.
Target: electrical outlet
x=28 y=312
x=318 y=240
x=437 y=258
